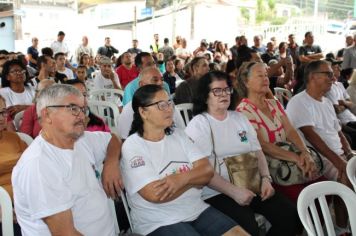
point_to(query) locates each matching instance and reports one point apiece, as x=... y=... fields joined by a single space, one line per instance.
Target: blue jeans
x=210 y=222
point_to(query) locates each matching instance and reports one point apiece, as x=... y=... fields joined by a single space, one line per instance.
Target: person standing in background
x=32 y=53
x=107 y=50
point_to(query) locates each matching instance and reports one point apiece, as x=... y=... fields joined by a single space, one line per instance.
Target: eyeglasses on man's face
x=74 y=109
x=162 y=105
x=220 y=91
x=17 y=72
x=329 y=74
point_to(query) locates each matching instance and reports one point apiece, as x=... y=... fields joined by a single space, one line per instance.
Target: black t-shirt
x=309 y=50
x=171 y=81
x=34 y=53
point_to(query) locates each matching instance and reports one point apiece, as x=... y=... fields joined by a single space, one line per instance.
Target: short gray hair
x=54 y=94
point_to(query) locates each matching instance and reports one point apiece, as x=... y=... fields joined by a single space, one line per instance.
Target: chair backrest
x=127 y=208
x=186 y=111
x=18 y=120
x=283 y=95
x=110 y=95
x=108 y=111
x=308 y=212
x=6 y=213
x=25 y=137
x=351 y=171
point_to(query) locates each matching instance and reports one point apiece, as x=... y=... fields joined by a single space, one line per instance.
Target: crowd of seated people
x=175 y=175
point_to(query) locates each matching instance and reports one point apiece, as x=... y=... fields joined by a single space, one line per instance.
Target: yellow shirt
x=11 y=148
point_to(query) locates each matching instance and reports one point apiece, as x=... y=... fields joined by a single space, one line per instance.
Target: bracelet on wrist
x=267 y=177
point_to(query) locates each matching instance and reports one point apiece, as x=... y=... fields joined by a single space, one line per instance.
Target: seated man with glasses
x=56 y=186
x=149 y=75
x=313 y=115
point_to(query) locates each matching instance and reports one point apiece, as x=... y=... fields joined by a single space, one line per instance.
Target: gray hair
x=54 y=94
x=146 y=72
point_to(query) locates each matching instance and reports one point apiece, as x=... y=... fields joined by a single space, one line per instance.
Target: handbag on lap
x=288 y=173
x=242 y=169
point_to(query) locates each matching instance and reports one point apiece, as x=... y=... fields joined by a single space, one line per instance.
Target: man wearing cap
x=106 y=78
x=59 y=45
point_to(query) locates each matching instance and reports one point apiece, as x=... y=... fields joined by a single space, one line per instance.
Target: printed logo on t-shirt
x=137 y=162
x=243 y=137
x=175 y=167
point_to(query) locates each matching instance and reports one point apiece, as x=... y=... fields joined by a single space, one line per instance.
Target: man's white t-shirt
x=100 y=82
x=48 y=180
x=232 y=136
x=59 y=47
x=12 y=98
x=67 y=72
x=144 y=162
x=126 y=118
x=336 y=93
x=303 y=110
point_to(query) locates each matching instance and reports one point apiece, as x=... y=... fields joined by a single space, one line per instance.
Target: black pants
x=278 y=210
x=350 y=130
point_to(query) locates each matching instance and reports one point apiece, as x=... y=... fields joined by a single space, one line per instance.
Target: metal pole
x=316 y=3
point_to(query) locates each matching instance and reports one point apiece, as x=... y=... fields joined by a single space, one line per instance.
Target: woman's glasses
x=220 y=91
x=162 y=105
x=18 y=72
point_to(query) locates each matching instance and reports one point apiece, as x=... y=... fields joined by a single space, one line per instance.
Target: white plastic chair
x=25 y=137
x=308 y=212
x=351 y=171
x=183 y=110
x=127 y=208
x=18 y=119
x=108 y=111
x=110 y=95
x=282 y=95
x=6 y=213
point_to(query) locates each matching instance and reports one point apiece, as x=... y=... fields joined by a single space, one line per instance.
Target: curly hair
x=142 y=97
x=6 y=71
x=203 y=89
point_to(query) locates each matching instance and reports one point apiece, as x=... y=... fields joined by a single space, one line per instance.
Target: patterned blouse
x=272 y=130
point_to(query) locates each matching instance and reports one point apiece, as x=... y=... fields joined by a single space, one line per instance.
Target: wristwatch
x=267 y=177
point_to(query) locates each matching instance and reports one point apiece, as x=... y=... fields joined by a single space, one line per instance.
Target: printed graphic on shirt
x=175 y=167
x=243 y=137
x=137 y=161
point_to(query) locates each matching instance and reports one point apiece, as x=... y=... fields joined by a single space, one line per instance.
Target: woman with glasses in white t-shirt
x=222 y=132
x=16 y=87
x=163 y=172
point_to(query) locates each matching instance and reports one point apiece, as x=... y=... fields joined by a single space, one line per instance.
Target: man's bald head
x=150 y=75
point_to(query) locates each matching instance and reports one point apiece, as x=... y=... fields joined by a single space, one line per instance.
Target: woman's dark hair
x=6 y=72
x=47 y=51
x=244 y=53
x=203 y=89
x=142 y=97
x=230 y=66
x=82 y=55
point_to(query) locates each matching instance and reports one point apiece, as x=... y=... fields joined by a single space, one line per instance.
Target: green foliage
x=245 y=13
x=279 y=20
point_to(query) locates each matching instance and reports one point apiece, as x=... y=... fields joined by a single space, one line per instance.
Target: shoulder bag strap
x=213 y=144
